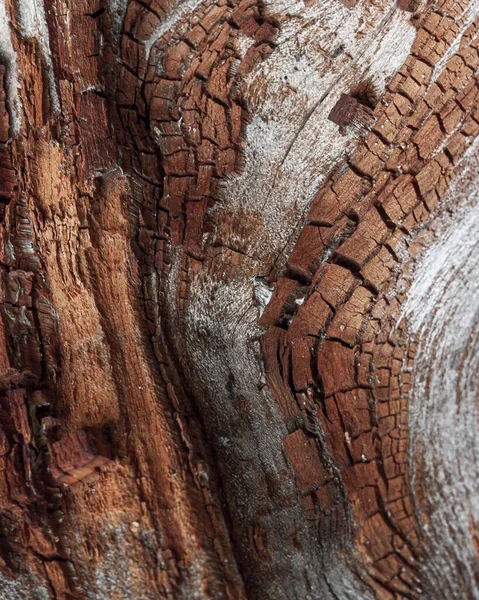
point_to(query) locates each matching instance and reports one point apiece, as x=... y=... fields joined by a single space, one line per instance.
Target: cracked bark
x=238 y=318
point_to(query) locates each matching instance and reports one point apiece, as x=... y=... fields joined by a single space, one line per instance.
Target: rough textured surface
x=238 y=254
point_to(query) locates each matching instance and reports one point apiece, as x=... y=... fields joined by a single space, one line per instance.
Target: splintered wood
x=238 y=339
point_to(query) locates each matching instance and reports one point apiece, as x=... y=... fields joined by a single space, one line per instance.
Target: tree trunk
x=239 y=299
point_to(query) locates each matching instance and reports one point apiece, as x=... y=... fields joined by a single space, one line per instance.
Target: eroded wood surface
x=239 y=283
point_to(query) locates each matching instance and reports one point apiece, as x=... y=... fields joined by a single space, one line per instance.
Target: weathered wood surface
x=239 y=335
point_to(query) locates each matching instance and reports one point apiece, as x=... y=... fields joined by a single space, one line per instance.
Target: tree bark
x=239 y=325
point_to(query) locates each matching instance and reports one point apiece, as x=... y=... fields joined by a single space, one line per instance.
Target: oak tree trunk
x=239 y=299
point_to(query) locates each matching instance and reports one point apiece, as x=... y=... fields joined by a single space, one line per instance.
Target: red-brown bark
x=214 y=221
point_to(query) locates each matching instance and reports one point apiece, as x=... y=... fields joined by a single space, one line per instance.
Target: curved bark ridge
x=201 y=350
x=333 y=339
x=204 y=70
x=211 y=327
x=443 y=454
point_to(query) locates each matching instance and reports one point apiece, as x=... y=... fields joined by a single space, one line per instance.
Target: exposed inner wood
x=238 y=302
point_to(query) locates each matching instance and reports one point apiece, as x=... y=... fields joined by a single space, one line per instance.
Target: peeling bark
x=238 y=299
